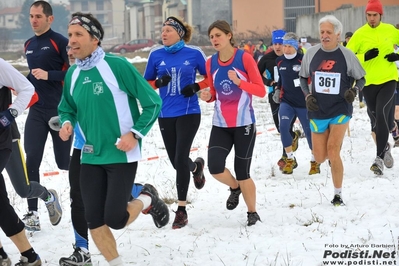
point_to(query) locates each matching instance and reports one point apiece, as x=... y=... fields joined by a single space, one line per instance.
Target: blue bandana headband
x=277 y=36
x=293 y=43
x=87 y=24
x=177 y=25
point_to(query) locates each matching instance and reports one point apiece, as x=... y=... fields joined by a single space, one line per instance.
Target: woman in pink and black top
x=233 y=79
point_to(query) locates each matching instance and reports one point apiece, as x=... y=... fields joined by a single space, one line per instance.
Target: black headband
x=177 y=25
x=87 y=24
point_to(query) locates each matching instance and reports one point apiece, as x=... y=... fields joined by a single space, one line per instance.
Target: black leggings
x=361 y=96
x=16 y=169
x=106 y=190
x=178 y=134
x=393 y=109
x=274 y=107
x=220 y=144
x=35 y=137
x=379 y=99
x=9 y=220
x=77 y=208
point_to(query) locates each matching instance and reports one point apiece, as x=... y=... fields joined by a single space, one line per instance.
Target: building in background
x=126 y=20
x=201 y=16
x=257 y=16
x=144 y=18
x=11 y=3
x=251 y=16
x=352 y=18
x=294 y=9
x=9 y=17
x=110 y=13
x=329 y=5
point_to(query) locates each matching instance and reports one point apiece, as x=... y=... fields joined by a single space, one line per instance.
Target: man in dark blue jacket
x=48 y=62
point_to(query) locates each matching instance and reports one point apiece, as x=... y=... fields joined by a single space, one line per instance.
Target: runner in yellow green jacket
x=372 y=43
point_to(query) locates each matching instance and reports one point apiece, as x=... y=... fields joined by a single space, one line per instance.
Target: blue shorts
x=321 y=125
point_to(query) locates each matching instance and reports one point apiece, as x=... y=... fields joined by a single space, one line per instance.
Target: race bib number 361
x=327 y=83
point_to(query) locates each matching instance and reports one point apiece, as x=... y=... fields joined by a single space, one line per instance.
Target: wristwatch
x=135 y=135
x=13 y=112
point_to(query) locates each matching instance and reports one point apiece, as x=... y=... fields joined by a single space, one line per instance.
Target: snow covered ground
x=299 y=225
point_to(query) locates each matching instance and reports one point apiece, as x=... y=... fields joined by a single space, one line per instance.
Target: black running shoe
x=233 y=200
x=78 y=258
x=181 y=220
x=337 y=201
x=158 y=209
x=198 y=175
x=253 y=217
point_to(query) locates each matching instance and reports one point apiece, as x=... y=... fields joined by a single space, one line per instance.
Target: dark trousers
x=78 y=218
x=222 y=141
x=9 y=220
x=380 y=99
x=77 y=208
x=35 y=137
x=274 y=107
x=106 y=190
x=178 y=134
x=16 y=169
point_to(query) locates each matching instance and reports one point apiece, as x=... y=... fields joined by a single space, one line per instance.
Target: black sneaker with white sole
x=198 y=175
x=78 y=258
x=158 y=209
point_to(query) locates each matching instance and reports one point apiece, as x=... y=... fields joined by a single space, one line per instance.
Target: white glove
x=54 y=123
x=276 y=96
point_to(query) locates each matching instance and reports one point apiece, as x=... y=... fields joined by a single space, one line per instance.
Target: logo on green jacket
x=98 y=88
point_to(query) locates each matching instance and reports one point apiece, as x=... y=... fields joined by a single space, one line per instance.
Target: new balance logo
x=326 y=65
x=162 y=63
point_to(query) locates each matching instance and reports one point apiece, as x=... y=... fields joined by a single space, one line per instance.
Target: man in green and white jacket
x=102 y=93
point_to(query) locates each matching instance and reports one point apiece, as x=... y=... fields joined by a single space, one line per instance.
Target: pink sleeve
x=210 y=80
x=255 y=84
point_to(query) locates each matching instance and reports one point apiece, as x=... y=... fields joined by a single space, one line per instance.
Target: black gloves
x=6 y=118
x=350 y=95
x=190 y=90
x=370 y=54
x=311 y=103
x=392 y=57
x=54 y=123
x=162 y=81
